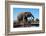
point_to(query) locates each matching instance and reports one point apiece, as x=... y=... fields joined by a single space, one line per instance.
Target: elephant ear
x=29 y=14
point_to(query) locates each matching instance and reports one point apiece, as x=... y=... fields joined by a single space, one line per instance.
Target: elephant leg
x=25 y=19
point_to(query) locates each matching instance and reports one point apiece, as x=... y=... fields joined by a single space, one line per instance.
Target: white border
x=26 y=28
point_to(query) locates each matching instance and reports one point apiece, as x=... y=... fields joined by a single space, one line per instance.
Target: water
x=26 y=25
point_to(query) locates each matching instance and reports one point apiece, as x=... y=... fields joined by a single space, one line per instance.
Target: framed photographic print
x=24 y=17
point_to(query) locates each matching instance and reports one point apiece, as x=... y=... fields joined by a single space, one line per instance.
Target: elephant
x=24 y=15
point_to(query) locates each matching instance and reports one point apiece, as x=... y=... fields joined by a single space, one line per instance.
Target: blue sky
x=34 y=11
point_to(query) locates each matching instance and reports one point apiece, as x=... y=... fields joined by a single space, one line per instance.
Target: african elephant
x=24 y=15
